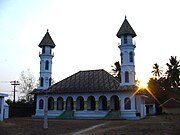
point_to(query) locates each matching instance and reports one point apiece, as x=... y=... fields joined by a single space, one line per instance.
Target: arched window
x=42 y=82
x=60 y=103
x=126 y=77
x=69 y=104
x=91 y=103
x=41 y=102
x=80 y=103
x=102 y=103
x=127 y=103
x=114 y=103
x=50 y=103
x=131 y=57
x=47 y=65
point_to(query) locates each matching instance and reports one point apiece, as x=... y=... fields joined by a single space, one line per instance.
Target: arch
x=91 y=103
x=80 y=103
x=60 y=103
x=50 y=103
x=127 y=103
x=131 y=57
x=69 y=104
x=47 y=65
x=41 y=103
x=114 y=103
x=41 y=81
x=102 y=103
x=126 y=77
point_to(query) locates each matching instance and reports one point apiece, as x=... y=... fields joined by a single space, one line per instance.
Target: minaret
x=126 y=46
x=46 y=56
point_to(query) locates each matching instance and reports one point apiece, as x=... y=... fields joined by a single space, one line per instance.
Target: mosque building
x=91 y=94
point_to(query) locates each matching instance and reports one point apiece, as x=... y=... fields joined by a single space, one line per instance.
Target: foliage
x=164 y=86
x=156 y=86
x=116 y=70
x=173 y=72
x=157 y=71
x=9 y=101
x=27 y=84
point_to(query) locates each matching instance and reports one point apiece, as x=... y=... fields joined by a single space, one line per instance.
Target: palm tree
x=173 y=71
x=157 y=71
x=116 y=71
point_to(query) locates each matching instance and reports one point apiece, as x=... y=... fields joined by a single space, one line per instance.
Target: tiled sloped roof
x=171 y=103
x=125 y=29
x=47 y=41
x=86 y=81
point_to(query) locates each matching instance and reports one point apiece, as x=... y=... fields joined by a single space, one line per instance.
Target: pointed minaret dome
x=47 y=41
x=125 y=29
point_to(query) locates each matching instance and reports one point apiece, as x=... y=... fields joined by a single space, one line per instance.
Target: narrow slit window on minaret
x=50 y=51
x=41 y=81
x=47 y=65
x=121 y=58
x=125 y=39
x=43 y=49
x=50 y=80
x=120 y=78
x=126 y=77
x=131 y=56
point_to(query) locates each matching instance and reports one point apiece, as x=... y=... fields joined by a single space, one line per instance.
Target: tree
x=9 y=101
x=173 y=72
x=116 y=70
x=156 y=86
x=27 y=84
x=157 y=71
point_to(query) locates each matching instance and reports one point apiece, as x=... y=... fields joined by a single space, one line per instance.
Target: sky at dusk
x=84 y=32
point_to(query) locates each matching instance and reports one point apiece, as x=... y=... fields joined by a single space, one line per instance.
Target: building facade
x=92 y=94
x=3 y=109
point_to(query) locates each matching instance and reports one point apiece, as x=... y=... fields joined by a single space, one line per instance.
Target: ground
x=151 y=125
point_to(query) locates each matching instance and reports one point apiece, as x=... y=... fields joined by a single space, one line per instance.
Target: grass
x=67 y=115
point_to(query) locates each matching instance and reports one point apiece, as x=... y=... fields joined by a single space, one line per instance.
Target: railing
x=46 y=53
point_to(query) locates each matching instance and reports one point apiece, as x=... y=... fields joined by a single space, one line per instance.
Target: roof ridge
x=111 y=76
x=169 y=100
x=90 y=70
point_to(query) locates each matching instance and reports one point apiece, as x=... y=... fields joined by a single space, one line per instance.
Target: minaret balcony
x=126 y=46
x=46 y=54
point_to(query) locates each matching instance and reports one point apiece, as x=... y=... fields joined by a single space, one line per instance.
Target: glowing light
x=144 y=88
x=143 y=84
x=135 y=92
x=149 y=91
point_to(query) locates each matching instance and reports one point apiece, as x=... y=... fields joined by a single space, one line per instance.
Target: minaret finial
x=47 y=30
x=125 y=17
